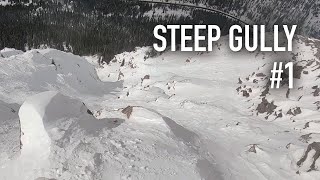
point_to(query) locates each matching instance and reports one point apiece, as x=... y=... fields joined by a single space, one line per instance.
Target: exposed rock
x=297 y=111
x=305 y=138
x=127 y=111
x=297 y=70
x=146 y=77
x=265 y=92
x=260 y=75
x=316 y=92
x=120 y=75
x=43 y=178
x=266 y=107
x=279 y=115
x=288 y=145
x=89 y=112
x=245 y=93
x=317 y=104
x=288 y=93
x=123 y=62
x=313 y=146
x=253 y=148
x=294 y=111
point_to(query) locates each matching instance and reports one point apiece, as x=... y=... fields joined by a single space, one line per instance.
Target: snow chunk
x=8 y=52
x=35 y=139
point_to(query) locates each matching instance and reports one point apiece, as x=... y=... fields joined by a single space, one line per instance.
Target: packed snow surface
x=158 y=116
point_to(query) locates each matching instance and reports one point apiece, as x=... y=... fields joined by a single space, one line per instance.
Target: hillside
x=167 y=116
x=111 y=27
x=305 y=14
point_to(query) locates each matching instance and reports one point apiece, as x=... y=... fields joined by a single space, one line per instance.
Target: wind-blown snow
x=151 y=116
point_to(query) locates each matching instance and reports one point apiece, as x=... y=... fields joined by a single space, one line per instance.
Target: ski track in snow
x=187 y=119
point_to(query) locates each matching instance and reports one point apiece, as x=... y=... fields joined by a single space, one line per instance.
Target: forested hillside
x=304 y=13
x=91 y=27
x=109 y=27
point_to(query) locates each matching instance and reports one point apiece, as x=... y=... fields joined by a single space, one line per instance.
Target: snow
x=35 y=140
x=4 y=2
x=188 y=121
x=39 y=70
x=8 y=3
x=7 y=52
x=9 y=129
x=159 y=13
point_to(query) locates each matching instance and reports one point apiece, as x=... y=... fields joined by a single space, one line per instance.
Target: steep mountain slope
x=297 y=108
x=198 y=91
x=161 y=116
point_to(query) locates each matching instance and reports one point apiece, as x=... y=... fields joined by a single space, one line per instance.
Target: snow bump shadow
x=206 y=166
x=62 y=109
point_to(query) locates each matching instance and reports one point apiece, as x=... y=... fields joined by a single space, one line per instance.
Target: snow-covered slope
x=35 y=71
x=161 y=116
x=7 y=52
x=9 y=129
x=297 y=108
x=199 y=91
x=48 y=121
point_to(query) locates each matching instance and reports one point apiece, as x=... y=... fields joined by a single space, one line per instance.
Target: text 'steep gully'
x=236 y=42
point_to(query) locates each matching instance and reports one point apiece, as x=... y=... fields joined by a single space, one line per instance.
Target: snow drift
x=40 y=118
x=26 y=74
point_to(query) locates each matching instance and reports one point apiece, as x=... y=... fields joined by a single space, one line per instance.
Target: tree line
x=88 y=27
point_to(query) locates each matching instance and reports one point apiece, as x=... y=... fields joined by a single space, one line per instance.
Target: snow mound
x=8 y=52
x=35 y=71
x=62 y=139
x=47 y=121
x=41 y=113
